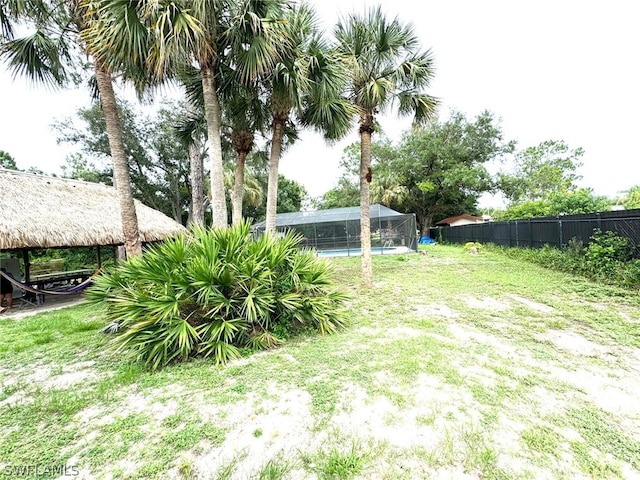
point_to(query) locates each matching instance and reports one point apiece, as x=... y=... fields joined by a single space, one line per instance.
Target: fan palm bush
x=211 y=293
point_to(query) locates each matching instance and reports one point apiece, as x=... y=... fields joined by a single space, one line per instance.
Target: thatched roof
x=46 y=212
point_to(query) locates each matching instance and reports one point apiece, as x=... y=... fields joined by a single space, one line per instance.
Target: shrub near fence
x=538 y=232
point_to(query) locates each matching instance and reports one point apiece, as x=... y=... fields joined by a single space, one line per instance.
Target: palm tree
x=192 y=134
x=385 y=67
x=46 y=56
x=245 y=113
x=227 y=27
x=252 y=191
x=387 y=189
x=307 y=80
x=201 y=32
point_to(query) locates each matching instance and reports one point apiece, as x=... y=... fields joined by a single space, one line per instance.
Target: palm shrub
x=210 y=293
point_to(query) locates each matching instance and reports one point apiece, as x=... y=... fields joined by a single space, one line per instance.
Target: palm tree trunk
x=132 y=243
x=212 y=114
x=238 y=189
x=272 y=186
x=197 y=190
x=365 y=213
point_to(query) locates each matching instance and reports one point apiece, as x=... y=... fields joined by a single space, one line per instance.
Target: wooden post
x=27 y=265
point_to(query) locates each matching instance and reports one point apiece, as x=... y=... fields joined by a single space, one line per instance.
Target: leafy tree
x=7 y=161
x=345 y=194
x=443 y=168
x=384 y=65
x=578 y=201
x=159 y=163
x=632 y=198
x=560 y=203
x=80 y=168
x=291 y=197
x=540 y=171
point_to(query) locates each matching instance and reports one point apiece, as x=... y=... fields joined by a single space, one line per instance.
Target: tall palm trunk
x=238 y=189
x=132 y=243
x=196 y=178
x=272 y=186
x=212 y=114
x=365 y=213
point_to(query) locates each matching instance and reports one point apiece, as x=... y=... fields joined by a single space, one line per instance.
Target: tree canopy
x=557 y=203
x=632 y=198
x=539 y=171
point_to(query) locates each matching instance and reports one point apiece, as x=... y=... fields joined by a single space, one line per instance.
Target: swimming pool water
x=354 y=252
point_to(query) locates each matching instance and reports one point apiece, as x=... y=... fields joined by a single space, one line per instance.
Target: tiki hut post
x=27 y=265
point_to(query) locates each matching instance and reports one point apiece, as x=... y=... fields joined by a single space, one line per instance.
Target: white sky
x=562 y=70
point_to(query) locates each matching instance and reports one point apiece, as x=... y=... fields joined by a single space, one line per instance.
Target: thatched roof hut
x=47 y=212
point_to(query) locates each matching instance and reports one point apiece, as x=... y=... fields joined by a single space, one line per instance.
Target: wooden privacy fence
x=537 y=232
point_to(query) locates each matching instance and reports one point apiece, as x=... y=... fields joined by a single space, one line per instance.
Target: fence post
x=560 y=239
x=530 y=235
x=517 y=238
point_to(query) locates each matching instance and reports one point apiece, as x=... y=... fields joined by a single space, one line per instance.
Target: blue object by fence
x=426 y=240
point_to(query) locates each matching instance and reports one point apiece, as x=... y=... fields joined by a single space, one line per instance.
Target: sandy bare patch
x=69 y=379
x=261 y=428
x=289 y=357
x=358 y=415
x=573 y=343
x=486 y=303
x=538 y=307
x=436 y=310
x=628 y=318
x=73 y=374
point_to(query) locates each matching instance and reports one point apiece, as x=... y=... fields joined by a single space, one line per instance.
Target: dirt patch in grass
x=258 y=429
x=435 y=310
x=536 y=306
x=486 y=303
x=574 y=343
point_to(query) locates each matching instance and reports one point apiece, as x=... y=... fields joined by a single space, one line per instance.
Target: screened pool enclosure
x=336 y=232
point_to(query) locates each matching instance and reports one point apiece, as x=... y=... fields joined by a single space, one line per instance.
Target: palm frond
x=38 y=57
x=385 y=65
x=422 y=106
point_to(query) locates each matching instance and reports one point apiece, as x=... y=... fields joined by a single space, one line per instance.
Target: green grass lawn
x=452 y=364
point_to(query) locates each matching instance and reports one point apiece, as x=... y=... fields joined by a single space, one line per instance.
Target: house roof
x=37 y=211
x=464 y=216
x=329 y=215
